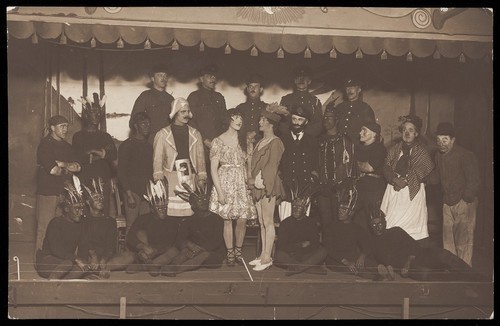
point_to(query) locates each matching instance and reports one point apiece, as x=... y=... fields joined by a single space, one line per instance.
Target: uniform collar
x=299 y=135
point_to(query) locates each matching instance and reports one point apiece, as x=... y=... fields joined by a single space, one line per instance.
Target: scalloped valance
x=267 y=39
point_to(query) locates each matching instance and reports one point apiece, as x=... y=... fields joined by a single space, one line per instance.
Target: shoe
x=230 y=259
x=255 y=262
x=237 y=255
x=262 y=267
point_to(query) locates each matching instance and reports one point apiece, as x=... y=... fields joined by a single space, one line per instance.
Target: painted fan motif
x=270 y=15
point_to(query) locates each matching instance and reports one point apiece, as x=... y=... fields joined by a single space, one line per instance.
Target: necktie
x=403 y=162
x=297 y=140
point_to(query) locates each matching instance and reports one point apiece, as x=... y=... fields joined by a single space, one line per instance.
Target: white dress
x=410 y=215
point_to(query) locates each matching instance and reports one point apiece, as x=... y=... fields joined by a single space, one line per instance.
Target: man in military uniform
x=300 y=161
x=301 y=96
x=252 y=108
x=208 y=106
x=156 y=102
x=353 y=112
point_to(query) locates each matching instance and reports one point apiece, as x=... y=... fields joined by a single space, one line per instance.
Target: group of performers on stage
x=194 y=174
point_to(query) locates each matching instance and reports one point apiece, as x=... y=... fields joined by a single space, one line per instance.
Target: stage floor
x=331 y=296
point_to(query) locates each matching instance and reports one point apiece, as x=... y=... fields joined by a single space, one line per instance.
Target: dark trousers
x=369 y=197
x=52 y=267
x=328 y=207
x=437 y=264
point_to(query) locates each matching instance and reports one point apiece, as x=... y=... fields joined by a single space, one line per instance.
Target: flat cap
x=211 y=69
x=352 y=82
x=445 y=129
x=300 y=71
x=300 y=111
x=57 y=120
x=255 y=78
x=159 y=68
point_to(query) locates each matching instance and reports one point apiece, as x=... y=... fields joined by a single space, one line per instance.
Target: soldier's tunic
x=251 y=115
x=208 y=108
x=353 y=115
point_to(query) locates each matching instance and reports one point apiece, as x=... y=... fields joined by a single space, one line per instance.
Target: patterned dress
x=233 y=181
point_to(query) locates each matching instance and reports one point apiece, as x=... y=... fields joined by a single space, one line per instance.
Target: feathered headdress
x=274 y=111
x=196 y=197
x=73 y=191
x=302 y=194
x=97 y=188
x=88 y=103
x=157 y=192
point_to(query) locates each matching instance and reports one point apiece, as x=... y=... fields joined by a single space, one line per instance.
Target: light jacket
x=165 y=152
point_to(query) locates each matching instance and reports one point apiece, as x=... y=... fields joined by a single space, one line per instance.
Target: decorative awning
x=397 y=31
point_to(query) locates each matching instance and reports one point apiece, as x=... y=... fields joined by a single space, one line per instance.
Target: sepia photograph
x=250 y=163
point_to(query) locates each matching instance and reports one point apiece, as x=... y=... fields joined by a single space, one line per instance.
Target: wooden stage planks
x=44 y=292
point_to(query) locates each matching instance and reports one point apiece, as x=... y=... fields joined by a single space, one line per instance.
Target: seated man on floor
x=348 y=244
x=200 y=239
x=151 y=238
x=298 y=248
x=394 y=247
x=98 y=242
x=57 y=259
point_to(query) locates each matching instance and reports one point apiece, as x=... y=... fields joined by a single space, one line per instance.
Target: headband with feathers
x=97 y=188
x=73 y=191
x=88 y=103
x=157 y=192
x=190 y=194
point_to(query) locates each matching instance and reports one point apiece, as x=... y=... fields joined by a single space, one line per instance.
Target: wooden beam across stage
x=242 y=293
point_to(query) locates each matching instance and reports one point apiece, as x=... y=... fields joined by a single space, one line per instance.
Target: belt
x=232 y=165
x=371 y=175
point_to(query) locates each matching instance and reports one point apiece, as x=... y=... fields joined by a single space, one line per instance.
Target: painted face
x=329 y=122
x=74 y=212
x=378 y=225
x=93 y=115
x=254 y=90
x=160 y=211
x=409 y=132
x=236 y=122
x=160 y=80
x=298 y=123
x=445 y=143
x=183 y=115
x=60 y=131
x=208 y=81
x=143 y=127
x=352 y=92
x=366 y=135
x=96 y=202
x=299 y=207
x=199 y=203
x=302 y=82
